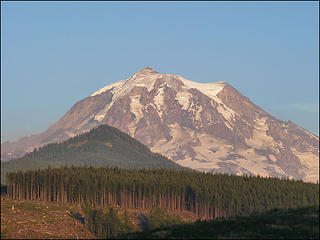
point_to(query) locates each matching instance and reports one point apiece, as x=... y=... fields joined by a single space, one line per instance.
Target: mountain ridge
x=204 y=126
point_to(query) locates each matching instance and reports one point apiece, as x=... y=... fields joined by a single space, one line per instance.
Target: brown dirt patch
x=40 y=220
x=79 y=144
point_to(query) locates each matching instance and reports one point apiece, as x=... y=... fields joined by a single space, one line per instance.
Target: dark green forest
x=300 y=223
x=206 y=195
x=108 y=222
x=101 y=147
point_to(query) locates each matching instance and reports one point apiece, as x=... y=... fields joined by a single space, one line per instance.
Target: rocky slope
x=204 y=126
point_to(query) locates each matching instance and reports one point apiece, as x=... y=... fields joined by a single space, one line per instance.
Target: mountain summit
x=204 y=126
x=146 y=71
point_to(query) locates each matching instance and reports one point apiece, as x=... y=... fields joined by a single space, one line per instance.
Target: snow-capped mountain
x=204 y=126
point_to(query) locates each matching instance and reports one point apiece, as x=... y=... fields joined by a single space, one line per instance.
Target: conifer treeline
x=205 y=194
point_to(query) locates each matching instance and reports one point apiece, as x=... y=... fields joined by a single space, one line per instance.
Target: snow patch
x=226 y=113
x=140 y=80
x=272 y=158
x=260 y=139
x=227 y=124
x=184 y=99
x=311 y=161
x=136 y=107
x=198 y=113
x=180 y=136
x=108 y=87
x=211 y=90
x=159 y=101
x=209 y=151
x=99 y=117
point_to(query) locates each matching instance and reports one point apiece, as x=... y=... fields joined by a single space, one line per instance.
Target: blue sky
x=54 y=54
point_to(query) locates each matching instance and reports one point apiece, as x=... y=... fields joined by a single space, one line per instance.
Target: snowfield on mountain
x=203 y=126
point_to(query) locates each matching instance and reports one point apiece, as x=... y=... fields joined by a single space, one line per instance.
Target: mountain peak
x=146 y=71
x=205 y=126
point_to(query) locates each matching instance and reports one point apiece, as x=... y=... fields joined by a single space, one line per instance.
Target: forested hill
x=102 y=146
